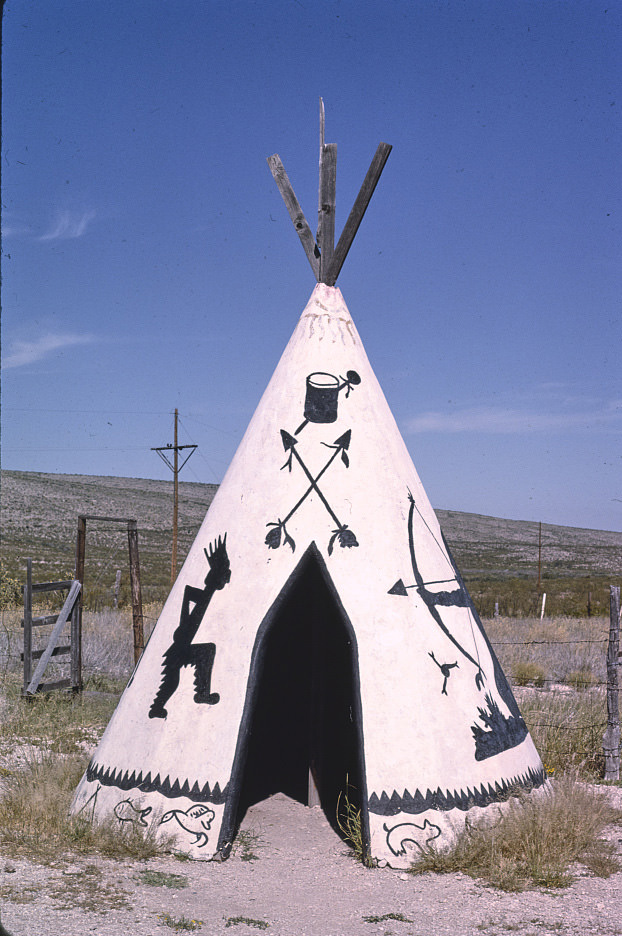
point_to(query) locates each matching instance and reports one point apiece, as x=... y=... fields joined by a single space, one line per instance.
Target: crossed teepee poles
x=278 y=533
x=325 y=258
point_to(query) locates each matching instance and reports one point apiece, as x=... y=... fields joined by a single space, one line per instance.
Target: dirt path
x=302 y=882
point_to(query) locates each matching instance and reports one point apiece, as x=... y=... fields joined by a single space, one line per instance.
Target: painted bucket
x=321 y=399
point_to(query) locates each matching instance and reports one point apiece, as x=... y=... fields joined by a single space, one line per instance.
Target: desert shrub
x=535 y=840
x=581 y=679
x=10 y=591
x=525 y=674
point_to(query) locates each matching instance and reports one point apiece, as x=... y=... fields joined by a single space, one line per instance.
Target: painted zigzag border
x=135 y=781
x=385 y=805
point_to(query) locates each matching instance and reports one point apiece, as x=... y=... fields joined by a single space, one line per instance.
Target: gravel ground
x=291 y=876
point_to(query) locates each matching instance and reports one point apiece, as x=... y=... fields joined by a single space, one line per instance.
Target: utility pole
x=175 y=468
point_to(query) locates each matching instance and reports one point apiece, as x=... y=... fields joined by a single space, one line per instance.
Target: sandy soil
x=302 y=882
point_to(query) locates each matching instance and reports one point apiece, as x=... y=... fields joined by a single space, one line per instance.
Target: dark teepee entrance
x=301 y=732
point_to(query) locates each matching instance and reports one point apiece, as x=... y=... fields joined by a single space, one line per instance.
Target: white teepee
x=319 y=639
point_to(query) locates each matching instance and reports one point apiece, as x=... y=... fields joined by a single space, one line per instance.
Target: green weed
x=87 y=890
x=163 y=879
x=180 y=923
x=387 y=916
x=246 y=842
x=349 y=822
x=248 y=921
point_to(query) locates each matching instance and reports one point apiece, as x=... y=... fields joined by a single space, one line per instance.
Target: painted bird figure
x=194 y=820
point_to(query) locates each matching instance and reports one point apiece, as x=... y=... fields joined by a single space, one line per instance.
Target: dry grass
x=108 y=641
x=567 y=727
x=536 y=841
x=564 y=660
x=45 y=745
x=45 y=742
x=559 y=646
x=107 y=644
x=35 y=821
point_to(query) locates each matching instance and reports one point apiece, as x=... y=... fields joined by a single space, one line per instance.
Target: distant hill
x=39 y=514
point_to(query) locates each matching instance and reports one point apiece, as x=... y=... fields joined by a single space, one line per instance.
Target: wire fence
x=566 y=687
x=557 y=666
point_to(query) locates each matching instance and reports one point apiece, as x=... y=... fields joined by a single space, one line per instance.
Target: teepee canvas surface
x=319 y=640
x=388 y=688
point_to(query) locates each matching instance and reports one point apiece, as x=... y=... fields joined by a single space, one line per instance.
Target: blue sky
x=149 y=263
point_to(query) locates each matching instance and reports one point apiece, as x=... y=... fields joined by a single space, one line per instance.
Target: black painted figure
x=278 y=532
x=182 y=651
x=445 y=669
x=500 y=732
x=457 y=598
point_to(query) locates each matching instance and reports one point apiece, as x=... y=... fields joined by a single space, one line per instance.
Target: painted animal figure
x=125 y=811
x=194 y=820
x=417 y=835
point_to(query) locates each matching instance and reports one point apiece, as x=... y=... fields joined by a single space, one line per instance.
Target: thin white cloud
x=68 y=225
x=502 y=420
x=29 y=352
x=14 y=230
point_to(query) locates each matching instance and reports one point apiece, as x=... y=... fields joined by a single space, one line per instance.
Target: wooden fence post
x=76 y=620
x=28 y=625
x=137 y=601
x=75 y=642
x=117 y=586
x=611 y=739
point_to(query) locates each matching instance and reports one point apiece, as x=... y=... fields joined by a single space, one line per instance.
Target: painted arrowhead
x=343 y=441
x=288 y=440
x=398 y=589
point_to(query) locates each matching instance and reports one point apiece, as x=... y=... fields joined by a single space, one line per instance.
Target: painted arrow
x=344 y=535
x=456 y=598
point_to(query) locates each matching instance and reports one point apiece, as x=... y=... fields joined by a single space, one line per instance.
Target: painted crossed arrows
x=278 y=535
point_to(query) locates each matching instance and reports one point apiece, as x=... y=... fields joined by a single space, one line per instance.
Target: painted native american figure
x=182 y=652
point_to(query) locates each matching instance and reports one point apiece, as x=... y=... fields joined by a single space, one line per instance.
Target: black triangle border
x=484 y=795
x=125 y=781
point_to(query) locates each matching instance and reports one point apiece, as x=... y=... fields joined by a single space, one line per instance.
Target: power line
x=201 y=455
x=37 y=409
